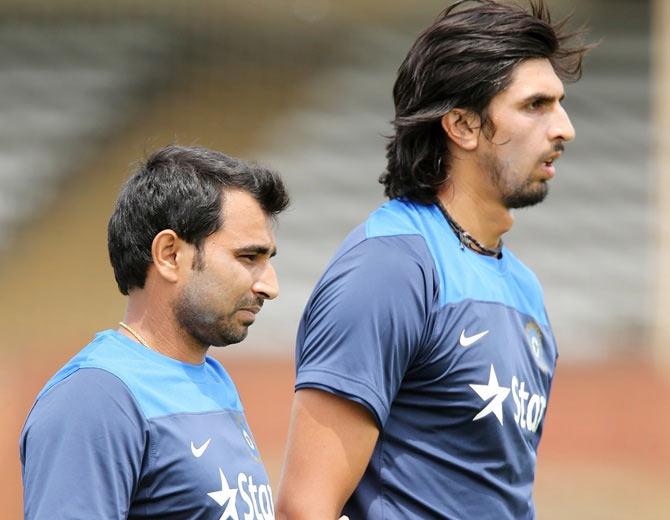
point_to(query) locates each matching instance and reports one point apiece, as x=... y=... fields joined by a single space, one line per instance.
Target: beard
x=515 y=193
x=526 y=194
x=207 y=324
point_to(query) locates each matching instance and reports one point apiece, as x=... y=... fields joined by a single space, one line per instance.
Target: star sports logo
x=257 y=499
x=529 y=409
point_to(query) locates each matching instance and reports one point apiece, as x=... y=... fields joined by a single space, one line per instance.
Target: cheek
x=518 y=156
x=231 y=278
x=210 y=289
x=200 y=291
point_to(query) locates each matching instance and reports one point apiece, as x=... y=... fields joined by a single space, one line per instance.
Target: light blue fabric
x=193 y=388
x=470 y=275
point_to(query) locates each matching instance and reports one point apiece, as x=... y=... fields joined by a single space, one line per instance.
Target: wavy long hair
x=463 y=60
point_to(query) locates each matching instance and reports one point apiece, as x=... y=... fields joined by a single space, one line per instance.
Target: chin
x=237 y=337
x=223 y=337
x=528 y=197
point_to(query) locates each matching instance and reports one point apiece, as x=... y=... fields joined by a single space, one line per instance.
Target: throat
x=466 y=239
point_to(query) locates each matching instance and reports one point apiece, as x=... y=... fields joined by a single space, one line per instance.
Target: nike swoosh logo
x=197 y=452
x=466 y=341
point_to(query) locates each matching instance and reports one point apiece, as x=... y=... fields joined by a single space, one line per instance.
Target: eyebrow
x=543 y=98
x=259 y=250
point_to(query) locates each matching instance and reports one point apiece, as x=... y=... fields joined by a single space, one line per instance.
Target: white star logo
x=492 y=389
x=226 y=496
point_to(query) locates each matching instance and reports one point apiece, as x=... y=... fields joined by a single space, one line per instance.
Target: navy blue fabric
x=124 y=432
x=450 y=351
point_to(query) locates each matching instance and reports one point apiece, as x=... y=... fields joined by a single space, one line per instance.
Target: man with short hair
x=141 y=423
x=425 y=355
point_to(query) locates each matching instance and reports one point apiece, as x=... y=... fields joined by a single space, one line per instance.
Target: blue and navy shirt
x=124 y=432
x=449 y=350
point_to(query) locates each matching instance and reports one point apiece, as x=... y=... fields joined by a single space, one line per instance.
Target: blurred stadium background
x=87 y=88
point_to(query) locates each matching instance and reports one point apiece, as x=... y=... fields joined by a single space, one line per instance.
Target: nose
x=266 y=285
x=562 y=128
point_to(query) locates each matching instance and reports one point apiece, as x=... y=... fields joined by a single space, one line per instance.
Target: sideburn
x=199 y=258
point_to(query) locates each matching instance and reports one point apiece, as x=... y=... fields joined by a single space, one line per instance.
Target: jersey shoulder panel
x=193 y=388
x=463 y=274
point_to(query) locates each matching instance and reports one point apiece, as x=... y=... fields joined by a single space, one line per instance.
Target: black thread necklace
x=465 y=238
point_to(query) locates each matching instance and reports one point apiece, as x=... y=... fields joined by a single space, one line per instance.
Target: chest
x=203 y=465
x=485 y=366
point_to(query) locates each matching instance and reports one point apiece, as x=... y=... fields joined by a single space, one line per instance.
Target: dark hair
x=180 y=188
x=463 y=60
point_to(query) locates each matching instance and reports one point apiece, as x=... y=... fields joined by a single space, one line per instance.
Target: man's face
x=231 y=277
x=530 y=129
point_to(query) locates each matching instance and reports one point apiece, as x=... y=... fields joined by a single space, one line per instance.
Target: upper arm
x=82 y=448
x=363 y=325
x=366 y=321
x=330 y=443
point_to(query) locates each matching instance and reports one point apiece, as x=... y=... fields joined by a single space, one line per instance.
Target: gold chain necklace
x=136 y=334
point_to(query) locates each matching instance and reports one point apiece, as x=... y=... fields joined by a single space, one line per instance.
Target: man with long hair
x=425 y=355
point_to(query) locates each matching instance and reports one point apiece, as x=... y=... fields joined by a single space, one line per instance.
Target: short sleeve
x=366 y=320
x=82 y=449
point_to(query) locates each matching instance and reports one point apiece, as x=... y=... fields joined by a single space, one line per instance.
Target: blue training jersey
x=449 y=350
x=124 y=432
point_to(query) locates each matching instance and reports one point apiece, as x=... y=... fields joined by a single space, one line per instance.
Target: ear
x=462 y=127
x=170 y=255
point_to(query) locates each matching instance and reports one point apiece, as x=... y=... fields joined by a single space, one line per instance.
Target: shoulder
x=89 y=382
x=84 y=386
x=103 y=358
x=395 y=235
x=400 y=217
x=88 y=403
x=146 y=375
x=84 y=436
x=386 y=260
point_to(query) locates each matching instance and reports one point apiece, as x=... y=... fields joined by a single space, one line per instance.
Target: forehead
x=244 y=221
x=530 y=78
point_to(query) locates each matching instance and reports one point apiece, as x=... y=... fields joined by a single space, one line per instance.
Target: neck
x=154 y=321
x=476 y=211
x=466 y=239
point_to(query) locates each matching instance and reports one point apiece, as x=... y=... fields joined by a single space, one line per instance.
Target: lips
x=248 y=313
x=248 y=308
x=548 y=163
x=549 y=169
x=556 y=153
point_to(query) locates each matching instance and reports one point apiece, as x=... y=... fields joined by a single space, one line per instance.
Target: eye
x=248 y=257
x=534 y=105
